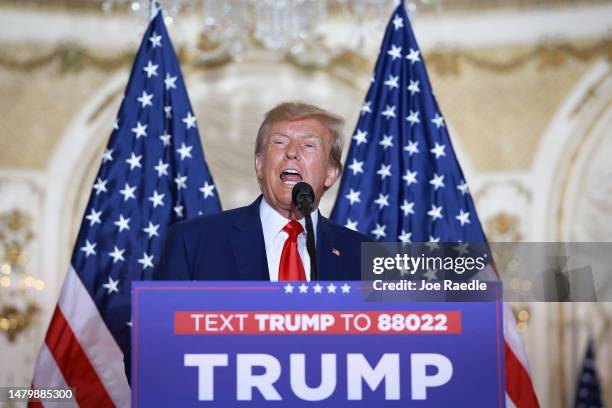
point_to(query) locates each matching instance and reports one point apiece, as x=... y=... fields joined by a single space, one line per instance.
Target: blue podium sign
x=230 y=344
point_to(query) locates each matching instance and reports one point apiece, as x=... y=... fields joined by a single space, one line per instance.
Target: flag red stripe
x=518 y=384
x=74 y=364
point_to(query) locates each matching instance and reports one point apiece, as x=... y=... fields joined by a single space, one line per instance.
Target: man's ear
x=259 y=166
x=332 y=174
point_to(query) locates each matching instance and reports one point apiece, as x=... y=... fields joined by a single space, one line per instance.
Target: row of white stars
x=129 y=192
x=140 y=130
x=413 y=118
x=303 y=288
x=435 y=213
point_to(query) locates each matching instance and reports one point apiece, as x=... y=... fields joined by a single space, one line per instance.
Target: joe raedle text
x=425 y=286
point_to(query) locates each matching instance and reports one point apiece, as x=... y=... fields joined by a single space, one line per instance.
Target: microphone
x=303 y=198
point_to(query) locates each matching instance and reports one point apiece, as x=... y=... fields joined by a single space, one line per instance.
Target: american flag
x=588 y=391
x=402 y=180
x=152 y=175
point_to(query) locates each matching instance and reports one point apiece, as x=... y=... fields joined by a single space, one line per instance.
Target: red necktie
x=291 y=267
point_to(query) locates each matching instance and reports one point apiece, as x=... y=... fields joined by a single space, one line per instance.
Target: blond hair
x=290 y=111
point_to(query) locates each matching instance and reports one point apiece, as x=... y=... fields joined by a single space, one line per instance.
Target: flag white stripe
x=50 y=376
x=101 y=349
x=513 y=338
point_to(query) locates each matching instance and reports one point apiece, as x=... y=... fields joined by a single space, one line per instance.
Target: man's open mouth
x=290 y=176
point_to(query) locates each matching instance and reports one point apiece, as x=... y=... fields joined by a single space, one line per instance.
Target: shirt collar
x=273 y=222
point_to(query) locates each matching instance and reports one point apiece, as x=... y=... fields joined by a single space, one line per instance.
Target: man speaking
x=267 y=240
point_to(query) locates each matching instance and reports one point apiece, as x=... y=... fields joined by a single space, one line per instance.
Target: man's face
x=295 y=151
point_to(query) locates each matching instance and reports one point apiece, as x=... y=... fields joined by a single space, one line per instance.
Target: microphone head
x=303 y=196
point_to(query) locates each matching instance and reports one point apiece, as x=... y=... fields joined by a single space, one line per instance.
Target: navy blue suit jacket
x=230 y=246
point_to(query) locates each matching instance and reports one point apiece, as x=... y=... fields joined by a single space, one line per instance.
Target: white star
x=151 y=230
x=161 y=168
x=411 y=147
x=181 y=181
x=150 y=69
x=117 y=254
x=413 y=56
x=382 y=201
x=463 y=187
x=351 y=224
x=389 y=112
x=353 y=196
x=145 y=99
x=207 y=189
x=430 y=275
x=129 y=323
x=433 y=243
x=116 y=124
x=123 y=223
x=387 y=141
x=462 y=248
x=100 y=186
x=170 y=81
x=165 y=138
x=134 y=161
x=384 y=171
x=379 y=231
x=94 y=217
x=392 y=82
x=178 y=209
x=360 y=137
x=155 y=40
x=438 y=121
x=111 y=286
x=356 y=166
x=413 y=118
x=438 y=150
x=317 y=288
x=410 y=177
x=407 y=208
x=398 y=22
x=168 y=111
x=189 y=120
x=127 y=192
x=89 y=248
x=365 y=108
x=184 y=151
x=437 y=181
x=463 y=217
x=395 y=52
x=413 y=87
x=146 y=261
x=303 y=288
x=288 y=288
x=140 y=130
x=331 y=288
x=107 y=156
x=405 y=237
x=157 y=199
x=435 y=212
x=345 y=288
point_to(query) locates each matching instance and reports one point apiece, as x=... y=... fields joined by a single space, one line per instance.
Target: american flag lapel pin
x=335 y=252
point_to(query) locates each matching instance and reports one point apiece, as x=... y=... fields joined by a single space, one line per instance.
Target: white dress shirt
x=272 y=224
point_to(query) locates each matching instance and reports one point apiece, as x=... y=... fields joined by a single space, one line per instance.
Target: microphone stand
x=310 y=245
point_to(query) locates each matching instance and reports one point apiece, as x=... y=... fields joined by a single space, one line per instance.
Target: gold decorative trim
x=74 y=59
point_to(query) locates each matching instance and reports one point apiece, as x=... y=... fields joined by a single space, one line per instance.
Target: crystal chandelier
x=230 y=28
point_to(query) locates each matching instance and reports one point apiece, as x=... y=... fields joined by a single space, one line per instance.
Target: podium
x=324 y=344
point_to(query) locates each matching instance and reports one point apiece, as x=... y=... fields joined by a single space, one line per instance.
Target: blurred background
x=525 y=86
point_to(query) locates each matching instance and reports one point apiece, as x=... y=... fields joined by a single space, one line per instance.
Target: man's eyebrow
x=307 y=135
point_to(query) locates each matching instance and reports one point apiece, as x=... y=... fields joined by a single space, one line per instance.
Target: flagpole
x=154 y=8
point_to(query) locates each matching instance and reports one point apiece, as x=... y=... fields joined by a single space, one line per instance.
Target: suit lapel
x=248 y=245
x=329 y=261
